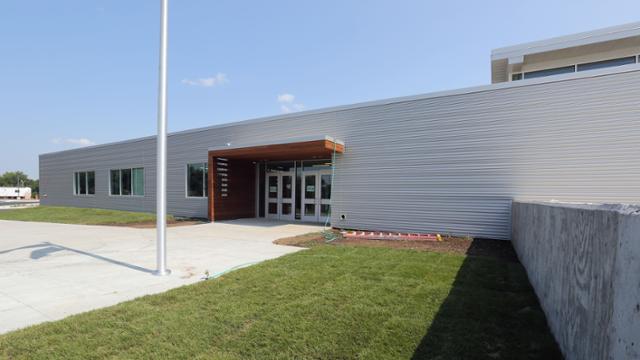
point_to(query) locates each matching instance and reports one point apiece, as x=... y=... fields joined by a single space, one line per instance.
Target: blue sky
x=76 y=72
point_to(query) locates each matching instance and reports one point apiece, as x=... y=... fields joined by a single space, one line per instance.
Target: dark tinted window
x=91 y=182
x=196 y=180
x=125 y=181
x=115 y=182
x=607 y=63
x=309 y=187
x=273 y=186
x=517 y=76
x=206 y=180
x=76 y=186
x=549 y=72
x=287 y=187
x=325 y=187
x=83 y=183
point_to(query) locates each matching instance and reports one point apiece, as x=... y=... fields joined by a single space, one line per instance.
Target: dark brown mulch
x=465 y=246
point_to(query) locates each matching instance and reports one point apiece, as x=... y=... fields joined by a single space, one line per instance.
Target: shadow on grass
x=491 y=312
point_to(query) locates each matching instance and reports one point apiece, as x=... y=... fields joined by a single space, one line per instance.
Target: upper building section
x=613 y=46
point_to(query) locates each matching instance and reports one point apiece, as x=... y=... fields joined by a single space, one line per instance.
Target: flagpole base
x=166 y=272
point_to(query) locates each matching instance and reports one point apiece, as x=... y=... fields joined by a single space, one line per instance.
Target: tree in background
x=19 y=179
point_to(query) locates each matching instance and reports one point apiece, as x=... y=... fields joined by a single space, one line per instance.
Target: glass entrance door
x=280 y=194
x=316 y=195
x=287 y=190
x=295 y=191
x=309 y=192
x=273 y=186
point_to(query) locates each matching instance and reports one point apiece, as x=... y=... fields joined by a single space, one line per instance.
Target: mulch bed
x=465 y=246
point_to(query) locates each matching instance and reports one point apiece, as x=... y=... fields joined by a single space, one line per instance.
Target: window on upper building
x=127 y=182
x=84 y=183
x=607 y=63
x=517 y=76
x=197 y=180
x=549 y=72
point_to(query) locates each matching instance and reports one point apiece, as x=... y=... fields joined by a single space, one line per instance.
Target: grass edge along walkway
x=81 y=216
x=325 y=302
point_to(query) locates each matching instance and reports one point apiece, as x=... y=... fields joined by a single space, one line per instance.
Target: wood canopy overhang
x=294 y=149
x=232 y=171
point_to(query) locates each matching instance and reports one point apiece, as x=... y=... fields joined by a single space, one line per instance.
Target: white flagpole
x=161 y=175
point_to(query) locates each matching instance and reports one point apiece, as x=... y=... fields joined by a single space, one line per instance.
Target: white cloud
x=217 y=79
x=79 y=141
x=287 y=103
x=286 y=98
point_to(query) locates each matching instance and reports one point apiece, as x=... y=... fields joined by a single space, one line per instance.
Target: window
x=197 y=180
x=325 y=187
x=273 y=187
x=127 y=182
x=310 y=187
x=607 y=63
x=84 y=183
x=549 y=72
x=138 y=181
x=287 y=187
x=325 y=210
x=115 y=182
x=573 y=68
x=91 y=182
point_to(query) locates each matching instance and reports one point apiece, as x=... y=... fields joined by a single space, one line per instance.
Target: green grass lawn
x=72 y=215
x=330 y=302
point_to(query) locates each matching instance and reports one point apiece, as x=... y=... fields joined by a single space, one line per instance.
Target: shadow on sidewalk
x=46 y=248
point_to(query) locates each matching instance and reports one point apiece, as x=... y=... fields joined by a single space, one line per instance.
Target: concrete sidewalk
x=49 y=271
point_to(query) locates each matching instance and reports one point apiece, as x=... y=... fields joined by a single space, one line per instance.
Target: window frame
x=131 y=194
x=205 y=179
x=75 y=186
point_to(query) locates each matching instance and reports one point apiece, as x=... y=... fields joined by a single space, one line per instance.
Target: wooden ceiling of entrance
x=316 y=149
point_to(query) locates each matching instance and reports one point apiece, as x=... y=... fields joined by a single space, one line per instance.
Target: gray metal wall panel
x=448 y=164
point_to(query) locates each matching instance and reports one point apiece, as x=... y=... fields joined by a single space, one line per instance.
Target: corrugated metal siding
x=447 y=164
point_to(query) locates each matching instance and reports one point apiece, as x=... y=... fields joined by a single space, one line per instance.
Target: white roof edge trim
x=568 y=41
x=389 y=101
x=278 y=142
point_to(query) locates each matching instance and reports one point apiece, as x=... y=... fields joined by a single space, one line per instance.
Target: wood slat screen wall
x=232 y=191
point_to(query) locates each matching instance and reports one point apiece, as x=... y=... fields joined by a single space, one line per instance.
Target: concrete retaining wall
x=584 y=264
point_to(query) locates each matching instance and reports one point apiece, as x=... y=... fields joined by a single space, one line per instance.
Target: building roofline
x=568 y=41
x=389 y=101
